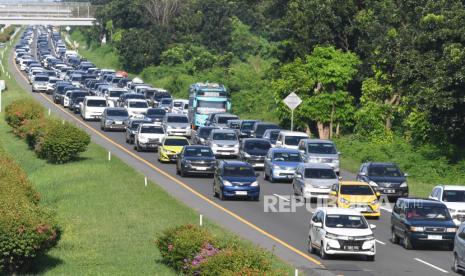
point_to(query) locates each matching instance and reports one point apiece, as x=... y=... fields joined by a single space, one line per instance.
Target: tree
x=321 y=81
x=161 y=11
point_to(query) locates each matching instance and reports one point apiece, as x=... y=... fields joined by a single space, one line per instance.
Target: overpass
x=47 y=13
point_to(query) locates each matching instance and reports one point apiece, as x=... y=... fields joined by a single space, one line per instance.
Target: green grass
x=110 y=219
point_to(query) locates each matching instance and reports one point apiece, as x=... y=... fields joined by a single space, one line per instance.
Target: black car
x=131 y=129
x=422 y=221
x=75 y=105
x=155 y=115
x=260 y=127
x=386 y=178
x=254 y=150
x=201 y=135
x=196 y=159
x=60 y=91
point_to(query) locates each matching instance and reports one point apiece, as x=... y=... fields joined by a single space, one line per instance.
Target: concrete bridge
x=47 y=13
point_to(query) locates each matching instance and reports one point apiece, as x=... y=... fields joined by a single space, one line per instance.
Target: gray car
x=459 y=250
x=177 y=125
x=320 y=151
x=224 y=142
x=313 y=180
x=114 y=118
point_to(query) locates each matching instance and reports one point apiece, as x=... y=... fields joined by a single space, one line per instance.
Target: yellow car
x=170 y=147
x=356 y=195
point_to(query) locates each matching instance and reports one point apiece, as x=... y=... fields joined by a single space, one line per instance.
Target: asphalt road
x=283 y=232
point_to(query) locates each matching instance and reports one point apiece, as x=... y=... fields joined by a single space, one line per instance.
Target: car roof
x=176 y=115
x=418 y=201
x=223 y=130
x=284 y=150
x=294 y=133
x=453 y=187
x=316 y=166
x=318 y=141
x=340 y=211
x=150 y=124
x=95 y=98
x=115 y=108
x=381 y=164
x=235 y=163
x=176 y=137
x=255 y=140
x=198 y=146
x=136 y=100
x=353 y=183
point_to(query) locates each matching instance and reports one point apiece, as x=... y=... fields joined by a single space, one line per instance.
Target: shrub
x=27 y=230
x=19 y=111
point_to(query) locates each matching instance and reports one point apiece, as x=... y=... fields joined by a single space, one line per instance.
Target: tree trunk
x=338 y=129
x=388 y=123
x=331 y=123
x=308 y=130
x=323 y=130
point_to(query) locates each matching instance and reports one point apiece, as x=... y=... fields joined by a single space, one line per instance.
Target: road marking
x=184 y=185
x=378 y=241
x=385 y=209
x=433 y=266
x=281 y=197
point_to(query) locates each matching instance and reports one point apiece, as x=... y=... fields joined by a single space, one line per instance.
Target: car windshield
x=356 y=190
x=228 y=136
x=320 y=173
x=79 y=100
x=177 y=119
x=44 y=79
x=176 y=142
x=152 y=129
x=428 y=212
x=138 y=104
x=204 y=132
x=321 y=148
x=116 y=94
x=117 y=112
x=453 y=196
x=76 y=79
x=225 y=119
x=345 y=221
x=97 y=103
x=388 y=170
x=247 y=125
x=177 y=104
x=156 y=111
x=166 y=102
x=239 y=171
x=293 y=140
x=261 y=128
x=205 y=107
x=257 y=145
x=135 y=124
x=198 y=152
x=287 y=157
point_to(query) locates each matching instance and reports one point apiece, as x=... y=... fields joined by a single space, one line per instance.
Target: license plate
x=290 y=176
x=361 y=209
x=226 y=153
x=259 y=165
x=152 y=145
x=390 y=191
x=241 y=192
x=118 y=122
x=353 y=248
x=434 y=237
x=201 y=168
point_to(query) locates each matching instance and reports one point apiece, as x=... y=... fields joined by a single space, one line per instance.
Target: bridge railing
x=44 y=9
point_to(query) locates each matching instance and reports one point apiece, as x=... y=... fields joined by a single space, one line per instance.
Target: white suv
x=453 y=196
x=338 y=231
x=148 y=137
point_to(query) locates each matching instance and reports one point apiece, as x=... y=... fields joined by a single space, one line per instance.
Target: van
x=290 y=139
x=92 y=107
x=320 y=151
x=259 y=128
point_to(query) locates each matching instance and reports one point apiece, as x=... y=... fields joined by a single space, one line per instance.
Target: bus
x=207 y=98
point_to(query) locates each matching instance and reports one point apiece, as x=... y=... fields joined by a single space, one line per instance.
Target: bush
x=19 y=111
x=27 y=230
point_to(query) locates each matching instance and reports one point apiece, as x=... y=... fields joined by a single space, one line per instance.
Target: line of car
x=152 y=120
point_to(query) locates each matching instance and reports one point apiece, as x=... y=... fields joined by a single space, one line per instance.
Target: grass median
x=109 y=218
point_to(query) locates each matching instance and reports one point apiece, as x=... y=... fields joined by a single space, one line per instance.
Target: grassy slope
x=109 y=218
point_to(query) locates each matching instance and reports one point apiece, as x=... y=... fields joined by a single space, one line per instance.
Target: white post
x=201 y=220
x=49 y=112
x=145 y=180
x=0 y=100
x=63 y=122
x=109 y=155
x=296 y=272
x=292 y=119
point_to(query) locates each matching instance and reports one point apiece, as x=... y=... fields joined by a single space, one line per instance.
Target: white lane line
x=433 y=266
x=378 y=241
x=386 y=209
x=281 y=197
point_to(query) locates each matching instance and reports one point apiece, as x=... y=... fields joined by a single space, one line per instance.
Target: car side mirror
x=333 y=193
x=362 y=174
x=433 y=197
x=406 y=174
x=317 y=224
x=339 y=153
x=298 y=175
x=378 y=194
x=340 y=177
x=372 y=226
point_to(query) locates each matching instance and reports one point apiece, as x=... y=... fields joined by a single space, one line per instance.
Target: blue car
x=281 y=163
x=422 y=221
x=235 y=179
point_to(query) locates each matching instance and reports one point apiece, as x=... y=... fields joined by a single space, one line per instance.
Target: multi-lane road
x=283 y=232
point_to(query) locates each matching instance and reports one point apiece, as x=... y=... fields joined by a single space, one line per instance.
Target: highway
x=283 y=232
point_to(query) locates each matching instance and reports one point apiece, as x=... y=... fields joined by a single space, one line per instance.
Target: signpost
x=2 y=87
x=292 y=101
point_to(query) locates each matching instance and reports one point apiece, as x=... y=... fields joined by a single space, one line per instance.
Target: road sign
x=292 y=101
x=68 y=28
x=2 y=85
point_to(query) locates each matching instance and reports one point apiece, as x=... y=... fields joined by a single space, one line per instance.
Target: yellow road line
x=179 y=182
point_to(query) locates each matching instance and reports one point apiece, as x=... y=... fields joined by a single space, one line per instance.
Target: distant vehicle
x=157 y=96
x=113 y=94
x=156 y=115
x=114 y=118
x=235 y=179
x=280 y=164
x=132 y=128
x=221 y=120
x=357 y=195
x=196 y=159
x=136 y=108
x=148 y=137
x=73 y=96
x=224 y=142
x=177 y=124
x=39 y=83
x=166 y=104
x=234 y=124
x=253 y=151
x=337 y=231
x=415 y=221
x=259 y=128
x=320 y=151
x=313 y=180
x=386 y=178
x=75 y=105
x=180 y=106
x=453 y=196
x=290 y=139
x=202 y=134
x=272 y=136
x=206 y=98
x=171 y=147
x=92 y=107
x=459 y=250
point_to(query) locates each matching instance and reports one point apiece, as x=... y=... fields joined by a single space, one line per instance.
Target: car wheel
x=310 y=247
x=127 y=140
x=102 y=128
x=455 y=265
x=370 y=258
x=177 y=170
x=221 y=195
x=215 y=194
x=265 y=176
x=450 y=246
x=394 y=238
x=183 y=173
x=407 y=243
x=323 y=254
x=272 y=180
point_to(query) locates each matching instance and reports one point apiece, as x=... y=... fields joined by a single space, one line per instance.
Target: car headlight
x=367 y=237
x=215 y=145
x=372 y=183
x=143 y=139
x=335 y=237
x=169 y=127
x=246 y=155
x=336 y=161
x=108 y=122
x=276 y=167
x=403 y=185
x=374 y=202
x=226 y=183
x=343 y=200
x=188 y=161
x=451 y=230
x=254 y=184
x=236 y=145
x=417 y=229
x=313 y=160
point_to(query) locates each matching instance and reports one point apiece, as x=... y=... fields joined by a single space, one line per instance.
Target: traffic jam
x=241 y=158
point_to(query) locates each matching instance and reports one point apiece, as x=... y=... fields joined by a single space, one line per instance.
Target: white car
x=148 y=137
x=180 y=106
x=112 y=95
x=340 y=231
x=290 y=139
x=224 y=142
x=453 y=196
x=136 y=108
x=92 y=107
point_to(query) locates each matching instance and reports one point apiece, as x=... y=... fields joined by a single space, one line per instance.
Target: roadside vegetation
x=109 y=221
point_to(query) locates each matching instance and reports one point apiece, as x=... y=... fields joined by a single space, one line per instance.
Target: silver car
x=313 y=180
x=114 y=118
x=177 y=125
x=320 y=151
x=224 y=142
